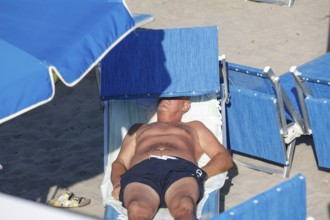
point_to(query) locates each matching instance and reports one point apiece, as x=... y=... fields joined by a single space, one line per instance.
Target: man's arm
x=220 y=159
x=122 y=163
x=118 y=168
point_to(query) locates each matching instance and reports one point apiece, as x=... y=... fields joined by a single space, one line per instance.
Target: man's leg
x=181 y=198
x=141 y=201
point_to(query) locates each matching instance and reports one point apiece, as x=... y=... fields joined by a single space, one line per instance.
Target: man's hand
x=115 y=192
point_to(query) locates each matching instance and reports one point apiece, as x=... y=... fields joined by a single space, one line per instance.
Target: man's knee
x=141 y=201
x=138 y=210
x=183 y=207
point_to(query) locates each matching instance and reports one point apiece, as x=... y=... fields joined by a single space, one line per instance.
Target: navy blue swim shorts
x=160 y=172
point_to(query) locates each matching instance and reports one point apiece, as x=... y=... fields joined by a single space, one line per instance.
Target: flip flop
x=69 y=200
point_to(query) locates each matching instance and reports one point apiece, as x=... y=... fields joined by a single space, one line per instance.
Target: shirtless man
x=157 y=164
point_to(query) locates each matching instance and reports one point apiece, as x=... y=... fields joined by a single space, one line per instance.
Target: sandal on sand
x=69 y=200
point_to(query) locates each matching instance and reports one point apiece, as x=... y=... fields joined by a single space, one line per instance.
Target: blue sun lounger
x=287 y=200
x=309 y=89
x=261 y=121
x=149 y=64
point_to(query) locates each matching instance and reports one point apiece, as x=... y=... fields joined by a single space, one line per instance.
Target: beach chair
x=261 y=122
x=309 y=89
x=149 y=64
x=287 y=200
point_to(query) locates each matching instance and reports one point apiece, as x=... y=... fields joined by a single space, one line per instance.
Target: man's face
x=173 y=104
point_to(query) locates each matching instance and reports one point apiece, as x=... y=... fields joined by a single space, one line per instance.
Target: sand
x=59 y=146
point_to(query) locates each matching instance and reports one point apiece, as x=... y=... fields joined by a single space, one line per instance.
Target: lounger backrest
x=249 y=78
x=316 y=75
x=252 y=115
x=318 y=113
x=309 y=89
x=167 y=63
x=284 y=201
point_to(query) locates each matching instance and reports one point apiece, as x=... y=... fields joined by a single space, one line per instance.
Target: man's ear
x=186 y=106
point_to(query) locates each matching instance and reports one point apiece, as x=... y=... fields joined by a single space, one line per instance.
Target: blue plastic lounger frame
x=67 y=38
x=284 y=201
x=161 y=63
x=309 y=88
x=257 y=112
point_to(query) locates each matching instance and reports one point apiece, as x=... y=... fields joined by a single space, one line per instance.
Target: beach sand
x=59 y=146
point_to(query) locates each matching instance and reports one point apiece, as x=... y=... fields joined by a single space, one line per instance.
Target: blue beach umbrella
x=42 y=38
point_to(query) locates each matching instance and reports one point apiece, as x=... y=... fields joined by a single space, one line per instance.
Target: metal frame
x=106 y=133
x=225 y=99
x=302 y=92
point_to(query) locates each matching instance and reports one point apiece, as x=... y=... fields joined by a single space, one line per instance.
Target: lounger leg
x=289 y=154
x=96 y=71
x=258 y=167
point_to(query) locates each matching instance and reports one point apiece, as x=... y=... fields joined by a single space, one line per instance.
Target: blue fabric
x=284 y=201
x=253 y=127
x=318 y=113
x=25 y=87
x=153 y=63
x=110 y=213
x=317 y=70
x=67 y=34
x=317 y=76
x=252 y=118
x=288 y=85
x=70 y=35
x=211 y=206
x=319 y=90
x=249 y=78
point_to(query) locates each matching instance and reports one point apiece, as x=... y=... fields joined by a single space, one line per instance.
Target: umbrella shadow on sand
x=56 y=145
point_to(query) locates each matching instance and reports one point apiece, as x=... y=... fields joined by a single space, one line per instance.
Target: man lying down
x=157 y=163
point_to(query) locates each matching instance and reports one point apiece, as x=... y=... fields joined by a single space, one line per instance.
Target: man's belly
x=163 y=149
